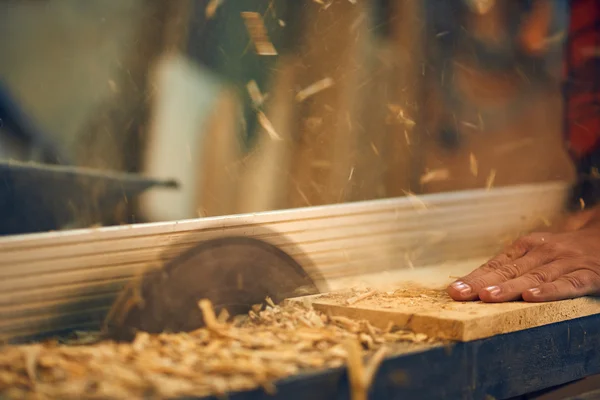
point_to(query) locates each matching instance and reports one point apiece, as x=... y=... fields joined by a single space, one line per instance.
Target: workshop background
x=363 y=99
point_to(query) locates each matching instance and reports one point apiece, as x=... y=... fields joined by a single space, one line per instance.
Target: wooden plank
x=431 y=311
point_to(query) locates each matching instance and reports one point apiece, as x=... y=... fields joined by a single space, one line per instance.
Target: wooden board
x=432 y=312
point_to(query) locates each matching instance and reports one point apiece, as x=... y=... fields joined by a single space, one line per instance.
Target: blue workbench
x=499 y=367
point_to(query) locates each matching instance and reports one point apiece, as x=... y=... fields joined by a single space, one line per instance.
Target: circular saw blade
x=232 y=272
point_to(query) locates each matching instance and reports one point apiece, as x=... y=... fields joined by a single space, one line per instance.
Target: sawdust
x=410 y=293
x=251 y=351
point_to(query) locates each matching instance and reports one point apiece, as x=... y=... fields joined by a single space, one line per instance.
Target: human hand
x=537 y=267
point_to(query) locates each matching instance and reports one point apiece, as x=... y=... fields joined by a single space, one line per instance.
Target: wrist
x=578 y=220
x=588 y=218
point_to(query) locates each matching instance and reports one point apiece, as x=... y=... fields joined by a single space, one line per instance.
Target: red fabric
x=582 y=55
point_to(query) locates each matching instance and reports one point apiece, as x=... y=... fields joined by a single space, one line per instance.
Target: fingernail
x=534 y=291
x=462 y=287
x=493 y=290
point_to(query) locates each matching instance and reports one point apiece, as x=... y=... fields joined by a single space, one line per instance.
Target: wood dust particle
x=354 y=300
x=473 y=165
x=489 y=183
x=258 y=33
x=374 y=148
x=211 y=8
x=255 y=94
x=419 y=204
x=324 y=5
x=313 y=89
x=267 y=126
x=400 y=115
x=435 y=175
x=469 y=125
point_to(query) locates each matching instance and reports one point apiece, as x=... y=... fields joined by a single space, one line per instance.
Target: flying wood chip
x=258 y=33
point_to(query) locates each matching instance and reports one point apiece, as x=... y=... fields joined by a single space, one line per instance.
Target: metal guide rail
x=55 y=282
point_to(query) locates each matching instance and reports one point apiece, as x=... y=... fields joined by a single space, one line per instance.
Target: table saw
x=81 y=307
x=55 y=283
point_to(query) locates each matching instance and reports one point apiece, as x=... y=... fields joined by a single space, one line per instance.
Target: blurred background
x=115 y=112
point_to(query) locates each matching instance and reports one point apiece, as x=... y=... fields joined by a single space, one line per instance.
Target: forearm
x=591 y=218
x=584 y=200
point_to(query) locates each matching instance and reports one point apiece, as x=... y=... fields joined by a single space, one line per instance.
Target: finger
x=489 y=266
x=514 y=288
x=469 y=287
x=461 y=291
x=526 y=243
x=515 y=250
x=579 y=283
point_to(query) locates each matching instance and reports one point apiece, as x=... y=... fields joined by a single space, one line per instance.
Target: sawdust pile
x=251 y=351
x=411 y=294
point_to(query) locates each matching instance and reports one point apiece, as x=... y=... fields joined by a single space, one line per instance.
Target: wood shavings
x=269 y=302
x=473 y=165
x=257 y=308
x=360 y=375
x=469 y=125
x=490 y=179
x=313 y=89
x=223 y=316
x=346 y=323
x=208 y=314
x=258 y=34
x=255 y=94
x=354 y=300
x=374 y=148
x=324 y=5
x=211 y=8
x=267 y=126
x=435 y=175
x=373 y=364
x=419 y=204
x=243 y=354
x=399 y=115
x=356 y=373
